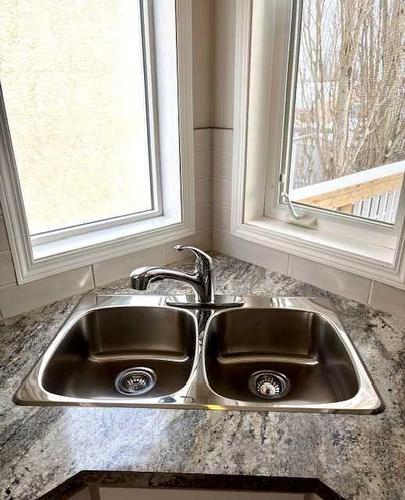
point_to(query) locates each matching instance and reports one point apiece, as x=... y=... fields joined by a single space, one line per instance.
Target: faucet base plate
x=191 y=302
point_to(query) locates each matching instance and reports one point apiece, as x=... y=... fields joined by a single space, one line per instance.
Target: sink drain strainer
x=268 y=384
x=134 y=381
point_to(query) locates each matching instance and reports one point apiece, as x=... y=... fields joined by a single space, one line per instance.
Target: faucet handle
x=204 y=261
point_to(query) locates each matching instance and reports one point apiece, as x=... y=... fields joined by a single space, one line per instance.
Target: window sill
x=348 y=254
x=80 y=250
x=100 y=237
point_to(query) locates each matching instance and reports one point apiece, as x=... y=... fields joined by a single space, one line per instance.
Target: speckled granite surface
x=359 y=457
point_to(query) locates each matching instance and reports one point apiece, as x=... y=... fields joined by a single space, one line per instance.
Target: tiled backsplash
x=7 y=275
x=222 y=141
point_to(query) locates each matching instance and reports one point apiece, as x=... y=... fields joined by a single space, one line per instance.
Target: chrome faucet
x=201 y=279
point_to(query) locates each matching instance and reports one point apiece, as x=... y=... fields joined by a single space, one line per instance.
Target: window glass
x=74 y=89
x=348 y=141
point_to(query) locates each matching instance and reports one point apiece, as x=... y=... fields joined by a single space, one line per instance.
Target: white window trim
x=178 y=218
x=281 y=101
x=149 y=76
x=373 y=258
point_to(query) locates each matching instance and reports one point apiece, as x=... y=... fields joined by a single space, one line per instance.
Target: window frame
x=149 y=78
x=167 y=51
x=278 y=179
x=368 y=249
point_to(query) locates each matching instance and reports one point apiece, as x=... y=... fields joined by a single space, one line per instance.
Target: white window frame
x=370 y=249
x=149 y=76
x=167 y=50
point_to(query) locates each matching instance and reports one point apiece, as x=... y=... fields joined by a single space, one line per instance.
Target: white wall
x=203 y=58
x=213 y=62
x=224 y=63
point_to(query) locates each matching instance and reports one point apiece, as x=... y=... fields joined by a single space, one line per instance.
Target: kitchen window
x=345 y=143
x=91 y=128
x=319 y=139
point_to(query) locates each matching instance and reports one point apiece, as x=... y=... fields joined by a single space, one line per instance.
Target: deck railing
x=372 y=193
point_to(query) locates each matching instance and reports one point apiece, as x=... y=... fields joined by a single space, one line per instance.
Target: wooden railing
x=372 y=193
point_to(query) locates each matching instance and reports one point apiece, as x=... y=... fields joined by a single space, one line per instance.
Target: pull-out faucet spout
x=201 y=279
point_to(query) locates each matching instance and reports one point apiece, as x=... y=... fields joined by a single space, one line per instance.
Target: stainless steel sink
x=289 y=354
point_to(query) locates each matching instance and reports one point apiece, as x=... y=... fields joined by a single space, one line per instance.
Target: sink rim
x=197 y=393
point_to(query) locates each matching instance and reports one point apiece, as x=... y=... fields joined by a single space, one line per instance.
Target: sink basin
x=301 y=345
x=103 y=341
x=284 y=354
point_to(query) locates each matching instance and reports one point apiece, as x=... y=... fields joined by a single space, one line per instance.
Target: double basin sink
x=285 y=354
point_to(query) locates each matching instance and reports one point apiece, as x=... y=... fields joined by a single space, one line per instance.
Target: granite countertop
x=358 y=456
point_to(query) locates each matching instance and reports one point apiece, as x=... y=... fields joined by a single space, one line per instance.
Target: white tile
x=120 y=267
x=202 y=239
x=259 y=255
x=3 y=236
x=15 y=299
x=222 y=140
x=203 y=164
x=221 y=241
x=6 y=269
x=203 y=217
x=203 y=139
x=388 y=298
x=337 y=281
x=222 y=165
x=221 y=191
x=203 y=192
x=221 y=217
